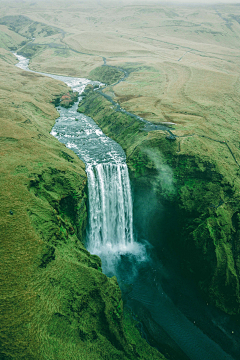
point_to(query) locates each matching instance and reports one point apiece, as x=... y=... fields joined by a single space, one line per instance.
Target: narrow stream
x=110 y=235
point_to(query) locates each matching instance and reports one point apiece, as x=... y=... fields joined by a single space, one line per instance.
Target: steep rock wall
x=55 y=301
x=196 y=201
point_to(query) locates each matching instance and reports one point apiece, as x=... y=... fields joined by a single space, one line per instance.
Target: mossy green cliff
x=198 y=188
x=55 y=301
x=107 y=75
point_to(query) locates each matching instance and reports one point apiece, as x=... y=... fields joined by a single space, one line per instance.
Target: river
x=199 y=333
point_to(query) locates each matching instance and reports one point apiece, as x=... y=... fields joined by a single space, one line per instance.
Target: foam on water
x=110 y=230
x=110 y=218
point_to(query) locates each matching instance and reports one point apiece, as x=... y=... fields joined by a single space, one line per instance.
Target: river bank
x=185 y=72
x=63 y=305
x=160 y=171
x=67 y=127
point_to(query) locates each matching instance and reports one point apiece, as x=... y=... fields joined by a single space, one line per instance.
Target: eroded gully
x=175 y=330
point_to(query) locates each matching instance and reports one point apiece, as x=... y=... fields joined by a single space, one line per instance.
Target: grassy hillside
x=107 y=75
x=183 y=66
x=197 y=179
x=55 y=301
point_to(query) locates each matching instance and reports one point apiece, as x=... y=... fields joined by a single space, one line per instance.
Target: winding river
x=181 y=333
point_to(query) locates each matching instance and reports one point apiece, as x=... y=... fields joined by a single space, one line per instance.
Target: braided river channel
x=173 y=317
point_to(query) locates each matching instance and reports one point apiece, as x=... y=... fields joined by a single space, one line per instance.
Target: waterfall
x=110 y=233
x=110 y=215
x=110 y=227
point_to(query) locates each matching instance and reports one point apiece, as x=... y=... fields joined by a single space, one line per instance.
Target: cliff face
x=55 y=301
x=195 y=193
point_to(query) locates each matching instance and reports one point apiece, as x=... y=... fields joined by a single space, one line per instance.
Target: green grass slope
x=200 y=187
x=107 y=75
x=55 y=301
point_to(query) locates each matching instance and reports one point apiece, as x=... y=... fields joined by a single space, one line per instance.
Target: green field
x=182 y=65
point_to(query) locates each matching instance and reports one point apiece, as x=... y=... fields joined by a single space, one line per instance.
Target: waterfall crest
x=110 y=209
x=110 y=216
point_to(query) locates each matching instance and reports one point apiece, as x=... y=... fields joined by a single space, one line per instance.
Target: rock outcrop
x=55 y=301
x=200 y=198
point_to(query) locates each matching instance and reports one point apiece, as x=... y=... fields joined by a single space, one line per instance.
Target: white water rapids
x=110 y=215
x=110 y=233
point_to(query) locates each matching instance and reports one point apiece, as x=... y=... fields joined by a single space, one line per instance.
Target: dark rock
x=68 y=99
x=48 y=256
x=171 y=137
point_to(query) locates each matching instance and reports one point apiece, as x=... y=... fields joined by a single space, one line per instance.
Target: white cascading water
x=110 y=228
x=110 y=215
x=110 y=209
